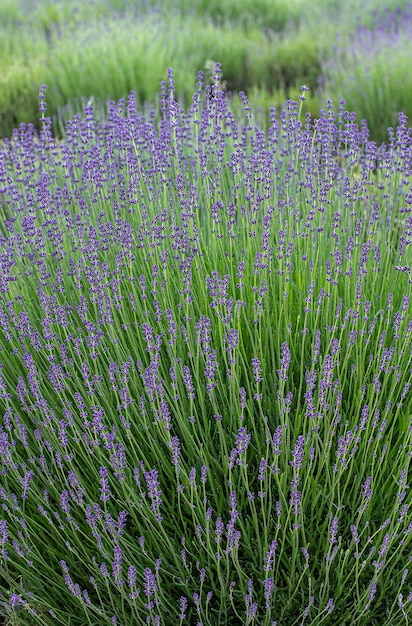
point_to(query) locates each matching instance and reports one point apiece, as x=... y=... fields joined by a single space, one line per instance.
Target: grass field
x=268 y=49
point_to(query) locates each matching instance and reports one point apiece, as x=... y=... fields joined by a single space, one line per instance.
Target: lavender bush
x=379 y=58
x=205 y=369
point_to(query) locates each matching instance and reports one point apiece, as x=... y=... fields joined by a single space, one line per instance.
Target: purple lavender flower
x=257 y=371
x=187 y=379
x=262 y=469
x=25 y=485
x=192 y=477
x=354 y=532
x=284 y=362
x=104 y=485
x=16 y=601
x=269 y=588
x=149 y=585
x=297 y=453
x=211 y=364
x=278 y=507
x=121 y=522
x=74 y=588
x=183 y=608
x=252 y=611
x=401 y=495
x=220 y=527
x=295 y=495
x=203 y=474
x=174 y=445
x=385 y=544
x=243 y=440
x=203 y=336
x=131 y=576
x=242 y=393
x=117 y=566
x=4 y=535
x=164 y=414
x=270 y=556
x=154 y=492
x=372 y=594
x=233 y=536
x=231 y=339
x=307 y=609
x=118 y=461
x=366 y=494
x=248 y=597
x=183 y=557
x=64 y=501
x=333 y=530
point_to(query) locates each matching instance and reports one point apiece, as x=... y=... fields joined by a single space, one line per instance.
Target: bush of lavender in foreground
x=205 y=370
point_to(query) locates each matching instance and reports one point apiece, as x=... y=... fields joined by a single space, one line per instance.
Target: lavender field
x=206 y=367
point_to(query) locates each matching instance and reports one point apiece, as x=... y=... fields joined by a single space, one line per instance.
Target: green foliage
x=105 y=49
x=19 y=93
x=381 y=64
x=10 y=13
x=270 y=15
x=97 y=60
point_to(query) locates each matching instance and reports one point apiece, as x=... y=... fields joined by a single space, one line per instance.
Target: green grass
x=268 y=48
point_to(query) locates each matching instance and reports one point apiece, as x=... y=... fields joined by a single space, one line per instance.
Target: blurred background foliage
x=359 y=51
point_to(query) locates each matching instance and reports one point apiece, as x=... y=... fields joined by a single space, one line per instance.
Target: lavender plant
x=379 y=57
x=205 y=369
